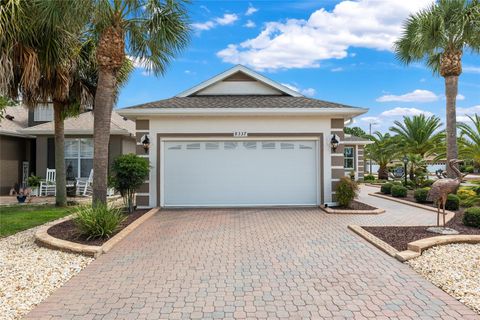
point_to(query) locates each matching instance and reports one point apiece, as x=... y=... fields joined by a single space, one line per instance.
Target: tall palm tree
x=469 y=142
x=439 y=35
x=419 y=135
x=152 y=31
x=383 y=150
x=43 y=68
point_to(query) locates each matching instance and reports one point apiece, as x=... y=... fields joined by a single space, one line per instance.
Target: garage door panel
x=236 y=173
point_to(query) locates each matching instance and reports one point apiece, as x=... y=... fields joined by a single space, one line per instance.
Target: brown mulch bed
x=67 y=230
x=399 y=237
x=355 y=205
x=410 y=198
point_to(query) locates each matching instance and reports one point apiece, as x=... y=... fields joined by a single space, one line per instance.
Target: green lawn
x=21 y=217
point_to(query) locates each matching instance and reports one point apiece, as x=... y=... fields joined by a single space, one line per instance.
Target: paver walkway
x=253 y=263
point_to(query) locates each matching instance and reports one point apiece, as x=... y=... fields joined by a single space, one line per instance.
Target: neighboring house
x=27 y=143
x=241 y=139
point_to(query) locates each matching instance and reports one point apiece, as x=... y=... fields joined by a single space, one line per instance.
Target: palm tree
x=469 y=142
x=418 y=134
x=439 y=35
x=153 y=32
x=383 y=150
x=43 y=68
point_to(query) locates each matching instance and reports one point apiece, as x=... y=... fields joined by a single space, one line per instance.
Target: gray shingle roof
x=355 y=139
x=238 y=101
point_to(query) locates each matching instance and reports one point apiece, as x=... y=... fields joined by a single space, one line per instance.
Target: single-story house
x=27 y=143
x=240 y=139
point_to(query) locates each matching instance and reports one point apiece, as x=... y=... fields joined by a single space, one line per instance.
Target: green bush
x=399 y=191
x=476 y=189
x=453 y=202
x=346 y=191
x=129 y=171
x=99 y=221
x=34 y=181
x=369 y=177
x=386 y=188
x=427 y=183
x=466 y=193
x=469 y=169
x=420 y=195
x=471 y=217
x=470 y=202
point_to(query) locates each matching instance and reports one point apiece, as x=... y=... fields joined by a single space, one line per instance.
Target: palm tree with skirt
x=439 y=35
x=151 y=31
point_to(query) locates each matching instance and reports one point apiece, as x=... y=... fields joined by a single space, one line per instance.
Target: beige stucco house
x=27 y=143
x=241 y=139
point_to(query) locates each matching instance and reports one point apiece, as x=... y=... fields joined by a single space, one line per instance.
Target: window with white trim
x=43 y=112
x=349 y=158
x=79 y=156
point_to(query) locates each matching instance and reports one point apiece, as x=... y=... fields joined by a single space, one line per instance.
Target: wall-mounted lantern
x=334 y=143
x=145 y=142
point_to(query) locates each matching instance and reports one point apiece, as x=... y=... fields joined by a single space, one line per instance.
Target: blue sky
x=337 y=51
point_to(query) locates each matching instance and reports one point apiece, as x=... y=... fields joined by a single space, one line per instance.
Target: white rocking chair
x=48 y=186
x=84 y=186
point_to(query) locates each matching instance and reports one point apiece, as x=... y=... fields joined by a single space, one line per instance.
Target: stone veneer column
x=337 y=156
x=142 y=127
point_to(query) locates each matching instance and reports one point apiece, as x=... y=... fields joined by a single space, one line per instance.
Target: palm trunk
x=451 y=90
x=60 y=179
x=104 y=101
x=383 y=173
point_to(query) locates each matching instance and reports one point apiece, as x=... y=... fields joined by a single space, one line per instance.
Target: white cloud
x=460 y=97
x=463 y=113
x=299 y=43
x=250 y=24
x=395 y=112
x=251 y=10
x=309 y=92
x=336 y=69
x=471 y=69
x=423 y=80
x=370 y=119
x=226 y=19
x=414 y=96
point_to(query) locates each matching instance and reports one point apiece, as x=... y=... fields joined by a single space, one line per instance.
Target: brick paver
x=253 y=263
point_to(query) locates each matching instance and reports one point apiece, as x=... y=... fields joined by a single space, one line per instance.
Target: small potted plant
x=21 y=193
x=34 y=182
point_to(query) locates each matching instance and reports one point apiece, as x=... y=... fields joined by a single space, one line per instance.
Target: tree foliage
x=469 y=142
x=129 y=172
x=383 y=150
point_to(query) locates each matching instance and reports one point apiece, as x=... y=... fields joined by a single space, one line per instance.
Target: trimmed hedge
x=399 y=191
x=453 y=202
x=386 y=188
x=427 y=183
x=420 y=195
x=346 y=191
x=369 y=177
x=471 y=217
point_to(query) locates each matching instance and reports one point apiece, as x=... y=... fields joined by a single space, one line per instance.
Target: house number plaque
x=240 y=134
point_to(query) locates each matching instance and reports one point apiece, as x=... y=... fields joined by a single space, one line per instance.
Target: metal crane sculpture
x=442 y=187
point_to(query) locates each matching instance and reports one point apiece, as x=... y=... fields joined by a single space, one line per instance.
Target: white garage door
x=240 y=173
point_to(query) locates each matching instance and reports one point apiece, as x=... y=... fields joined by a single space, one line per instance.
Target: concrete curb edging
x=448 y=217
x=377 y=242
x=373 y=185
x=346 y=211
x=415 y=248
x=42 y=237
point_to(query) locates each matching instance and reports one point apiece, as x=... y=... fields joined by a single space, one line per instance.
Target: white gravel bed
x=29 y=273
x=455 y=268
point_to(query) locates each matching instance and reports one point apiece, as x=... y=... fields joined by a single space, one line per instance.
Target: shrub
x=420 y=195
x=470 y=202
x=471 y=217
x=129 y=173
x=453 y=202
x=346 y=191
x=476 y=189
x=99 y=221
x=369 y=177
x=34 y=181
x=469 y=169
x=466 y=193
x=386 y=188
x=399 y=191
x=427 y=183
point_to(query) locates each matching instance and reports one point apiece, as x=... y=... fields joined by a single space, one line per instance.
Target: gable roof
x=240 y=73
x=83 y=124
x=19 y=121
x=351 y=139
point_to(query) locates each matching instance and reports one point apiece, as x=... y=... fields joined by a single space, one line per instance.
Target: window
x=349 y=158
x=43 y=112
x=79 y=157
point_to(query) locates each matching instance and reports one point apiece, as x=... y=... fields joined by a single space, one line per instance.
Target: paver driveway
x=253 y=263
